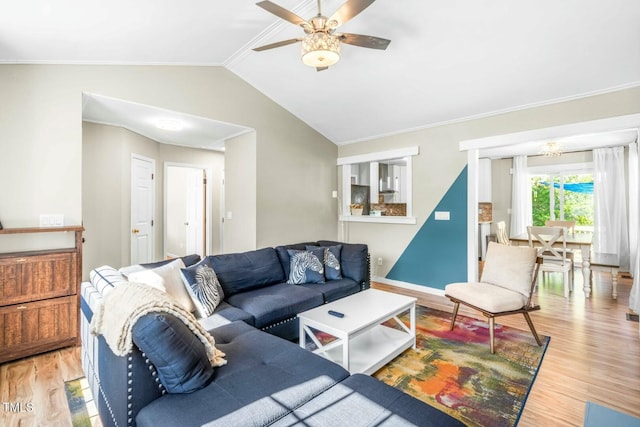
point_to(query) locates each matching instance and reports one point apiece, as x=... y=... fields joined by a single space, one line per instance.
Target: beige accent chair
x=505 y=288
x=553 y=251
x=501 y=233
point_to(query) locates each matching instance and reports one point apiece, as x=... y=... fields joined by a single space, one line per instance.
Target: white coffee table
x=363 y=344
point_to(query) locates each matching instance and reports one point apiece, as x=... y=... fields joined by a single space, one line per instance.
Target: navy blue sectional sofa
x=255 y=284
x=267 y=380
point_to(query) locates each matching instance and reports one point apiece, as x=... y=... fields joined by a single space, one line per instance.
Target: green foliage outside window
x=578 y=207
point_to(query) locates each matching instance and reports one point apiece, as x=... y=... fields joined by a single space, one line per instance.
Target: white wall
x=41 y=134
x=241 y=198
x=440 y=161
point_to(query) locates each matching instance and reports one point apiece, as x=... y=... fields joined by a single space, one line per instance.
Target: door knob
x=135 y=231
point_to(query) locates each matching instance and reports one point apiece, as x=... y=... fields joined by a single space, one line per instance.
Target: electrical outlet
x=379 y=260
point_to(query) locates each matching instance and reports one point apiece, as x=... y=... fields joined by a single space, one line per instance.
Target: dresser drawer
x=34 y=327
x=37 y=277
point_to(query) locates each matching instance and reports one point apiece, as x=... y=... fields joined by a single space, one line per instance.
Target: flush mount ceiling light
x=551 y=149
x=321 y=45
x=170 y=124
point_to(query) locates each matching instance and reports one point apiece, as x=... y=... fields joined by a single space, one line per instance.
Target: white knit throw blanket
x=125 y=304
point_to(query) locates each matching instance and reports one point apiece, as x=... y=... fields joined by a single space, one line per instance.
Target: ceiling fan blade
x=348 y=10
x=281 y=12
x=364 y=41
x=276 y=44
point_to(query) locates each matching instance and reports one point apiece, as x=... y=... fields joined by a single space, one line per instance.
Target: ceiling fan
x=321 y=44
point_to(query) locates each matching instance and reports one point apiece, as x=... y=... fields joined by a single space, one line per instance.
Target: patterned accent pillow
x=203 y=287
x=105 y=278
x=306 y=266
x=332 y=269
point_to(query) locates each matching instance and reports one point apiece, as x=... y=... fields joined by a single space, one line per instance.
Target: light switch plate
x=51 y=220
x=442 y=216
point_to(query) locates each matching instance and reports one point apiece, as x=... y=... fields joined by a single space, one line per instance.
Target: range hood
x=386 y=182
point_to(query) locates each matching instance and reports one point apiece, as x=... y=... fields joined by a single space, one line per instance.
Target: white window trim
x=407 y=153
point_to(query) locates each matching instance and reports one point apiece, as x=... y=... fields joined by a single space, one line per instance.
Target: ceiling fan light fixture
x=320 y=50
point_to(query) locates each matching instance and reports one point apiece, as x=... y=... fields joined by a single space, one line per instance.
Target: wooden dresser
x=39 y=296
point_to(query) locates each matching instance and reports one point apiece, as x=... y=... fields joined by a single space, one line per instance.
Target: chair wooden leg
x=492 y=322
x=456 y=306
x=533 y=329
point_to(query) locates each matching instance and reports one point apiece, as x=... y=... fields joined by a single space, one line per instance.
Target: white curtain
x=609 y=198
x=634 y=223
x=521 y=210
x=634 y=208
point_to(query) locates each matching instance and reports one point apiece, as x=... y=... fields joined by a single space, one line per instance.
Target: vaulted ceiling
x=447 y=61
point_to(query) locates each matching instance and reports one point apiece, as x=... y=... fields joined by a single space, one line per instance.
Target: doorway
x=187 y=214
x=515 y=144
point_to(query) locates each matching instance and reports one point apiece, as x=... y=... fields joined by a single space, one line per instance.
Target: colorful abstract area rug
x=455 y=372
x=81 y=404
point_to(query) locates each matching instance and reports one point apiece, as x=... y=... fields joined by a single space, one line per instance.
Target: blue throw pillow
x=331 y=260
x=178 y=355
x=306 y=266
x=203 y=287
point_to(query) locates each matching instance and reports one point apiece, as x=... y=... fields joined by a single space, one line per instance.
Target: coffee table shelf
x=362 y=344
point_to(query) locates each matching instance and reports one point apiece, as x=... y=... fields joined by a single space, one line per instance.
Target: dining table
x=581 y=241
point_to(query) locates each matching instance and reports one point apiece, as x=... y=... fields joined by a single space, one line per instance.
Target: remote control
x=336 y=313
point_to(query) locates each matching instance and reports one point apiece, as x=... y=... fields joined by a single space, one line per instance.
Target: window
x=376 y=187
x=563 y=195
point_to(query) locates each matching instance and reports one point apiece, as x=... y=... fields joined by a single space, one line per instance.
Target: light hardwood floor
x=594 y=355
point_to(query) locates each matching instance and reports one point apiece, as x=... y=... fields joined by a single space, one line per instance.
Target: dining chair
x=569 y=225
x=553 y=251
x=505 y=287
x=501 y=233
x=571 y=229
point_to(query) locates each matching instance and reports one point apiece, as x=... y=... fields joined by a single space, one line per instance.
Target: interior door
x=195 y=212
x=142 y=212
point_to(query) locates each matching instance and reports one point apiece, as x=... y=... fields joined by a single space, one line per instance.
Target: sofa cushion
x=187 y=260
x=331 y=261
x=306 y=266
x=242 y=272
x=265 y=378
x=167 y=278
x=353 y=259
x=178 y=355
x=361 y=400
x=203 y=287
x=334 y=289
x=283 y=255
x=225 y=313
x=275 y=303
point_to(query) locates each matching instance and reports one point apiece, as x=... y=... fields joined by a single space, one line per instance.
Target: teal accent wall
x=437 y=255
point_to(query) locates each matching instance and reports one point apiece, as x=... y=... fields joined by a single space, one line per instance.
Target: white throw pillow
x=167 y=278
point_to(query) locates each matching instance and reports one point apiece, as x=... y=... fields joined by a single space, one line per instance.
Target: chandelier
x=552 y=149
x=320 y=50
